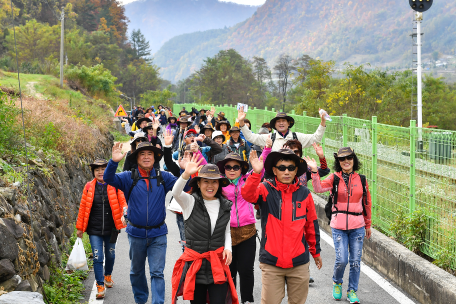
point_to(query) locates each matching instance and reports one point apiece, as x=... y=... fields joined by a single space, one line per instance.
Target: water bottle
x=325 y=114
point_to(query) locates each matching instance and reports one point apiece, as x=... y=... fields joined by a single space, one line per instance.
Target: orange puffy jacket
x=116 y=201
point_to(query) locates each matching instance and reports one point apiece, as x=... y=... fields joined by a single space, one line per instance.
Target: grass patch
x=120 y=137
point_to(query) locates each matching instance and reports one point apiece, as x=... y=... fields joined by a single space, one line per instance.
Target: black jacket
x=101 y=221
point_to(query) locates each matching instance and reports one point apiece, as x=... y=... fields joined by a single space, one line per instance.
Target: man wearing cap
x=282 y=124
x=289 y=226
x=145 y=191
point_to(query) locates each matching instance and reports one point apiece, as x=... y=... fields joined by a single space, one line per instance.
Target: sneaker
x=108 y=281
x=352 y=298
x=311 y=280
x=337 y=291
x=101 y=291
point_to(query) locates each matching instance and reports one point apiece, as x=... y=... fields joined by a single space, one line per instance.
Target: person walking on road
x=146 y=189
x=203 y=269
x=243 y=230
x=139 y=137
x=282 y=124
x=101 y=217
x=349 y=211
x=289 y=226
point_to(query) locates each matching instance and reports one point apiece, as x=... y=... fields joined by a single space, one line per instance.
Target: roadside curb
x=418 y=277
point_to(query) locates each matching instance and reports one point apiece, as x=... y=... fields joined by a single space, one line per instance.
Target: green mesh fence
x=407 y=168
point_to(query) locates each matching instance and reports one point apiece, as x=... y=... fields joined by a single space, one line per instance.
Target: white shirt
x=187 y=201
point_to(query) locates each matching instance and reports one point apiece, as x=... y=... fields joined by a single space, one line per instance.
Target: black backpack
x=332 y=201
x=136 y=177
x=274 y=135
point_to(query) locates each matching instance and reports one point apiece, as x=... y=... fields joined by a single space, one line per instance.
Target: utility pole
x=62 y=22
x=419 y=104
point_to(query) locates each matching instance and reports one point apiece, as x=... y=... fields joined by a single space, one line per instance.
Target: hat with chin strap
x=274 y=157
x=146 y=146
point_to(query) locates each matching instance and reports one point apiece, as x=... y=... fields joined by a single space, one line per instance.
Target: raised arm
x=318 y=185
x=255 y=139
x=253 y=191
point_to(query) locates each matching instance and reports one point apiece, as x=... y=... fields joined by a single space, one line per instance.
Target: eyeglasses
x=341 y=159
x=190 y=135
x=284 y=168
x=234 y=168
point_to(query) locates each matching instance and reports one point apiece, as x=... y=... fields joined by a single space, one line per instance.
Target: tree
x=162 y=97
x=283 y=70
x=140 y=45
x=262 y=73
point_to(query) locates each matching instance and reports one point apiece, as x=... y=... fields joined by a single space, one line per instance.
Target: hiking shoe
x=337 y=291
x=108 y=281
x=311 y=280
x=352 y=298
x=101 y=291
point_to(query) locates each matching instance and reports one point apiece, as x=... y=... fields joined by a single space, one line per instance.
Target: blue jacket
x=146 y=207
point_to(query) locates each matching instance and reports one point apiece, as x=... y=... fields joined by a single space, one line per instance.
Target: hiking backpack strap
x=136 y=177
x=332 y=200
x=273 y=137
x=363 y=182
x=295 y=136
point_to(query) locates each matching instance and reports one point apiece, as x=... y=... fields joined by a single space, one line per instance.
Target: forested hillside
x=161 y=20
x=341 y=30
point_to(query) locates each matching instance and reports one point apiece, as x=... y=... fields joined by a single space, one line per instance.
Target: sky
x=246 y=2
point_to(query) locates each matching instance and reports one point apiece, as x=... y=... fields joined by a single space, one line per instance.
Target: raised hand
x=323 y=118
x=117 y=154
x=192 y=167
x=168 y=137
x=311 y=163
x=257 y=163
x=268 y=142
x=194 y=147
x=183 y=161
x=200 y=137
x=241 y=116
x=156 y=123
x=318 y=150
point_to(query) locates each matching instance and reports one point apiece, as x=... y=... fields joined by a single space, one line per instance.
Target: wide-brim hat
x=223 y=122
x=207 y=127
x=343 y=152
x=218 y=133
x=137 y=136
x=203 y=117
x=183 y=119
x=158 y=154
x=203 y=110
x=221 y=114
x=236 y=157
x=169 y=118
x=210 y=171
x=273 y=157
x=98 y=163
x=139 y=121
x=150 y=125
x=280 y=116
x=183 y=111
x=234 y=129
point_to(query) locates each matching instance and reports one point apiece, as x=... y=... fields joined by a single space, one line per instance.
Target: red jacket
x=351 y=201
x=288 y=219
x=116 y=201
x=184 y=284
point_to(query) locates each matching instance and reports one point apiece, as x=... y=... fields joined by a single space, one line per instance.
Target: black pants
x=217 y=293
x=243 y=262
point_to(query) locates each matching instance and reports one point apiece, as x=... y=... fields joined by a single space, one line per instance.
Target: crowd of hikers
x=223 y=178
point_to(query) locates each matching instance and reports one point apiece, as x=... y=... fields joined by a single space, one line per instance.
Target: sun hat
x=281 y=115
x=139 y=121
x=183 y=111
x=223 y=122
x=150 y=125
x=172 y=117
x=343 y=152
x=137 y=136
x=263 y=130
x=234 y=129
x=236 y=157
x=218 y=133
x=209 y=171
x=158 y=154
x=96 y=164
x=183 y=119
x=207 y=127
x=274 y=157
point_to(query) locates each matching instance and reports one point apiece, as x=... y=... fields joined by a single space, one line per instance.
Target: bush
x=7 y=118
x=410 y=229
x=95 y=79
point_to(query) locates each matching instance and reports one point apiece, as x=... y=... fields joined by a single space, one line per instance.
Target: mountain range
x=375 y=31
x=161 y=20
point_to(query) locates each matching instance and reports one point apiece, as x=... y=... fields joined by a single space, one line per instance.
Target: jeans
x=243 y=262
x=349 y=248
x=96 y=241
x=154 y=249
x=181 y=226
x=217 y=293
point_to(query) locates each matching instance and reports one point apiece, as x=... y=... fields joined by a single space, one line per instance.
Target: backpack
x=332 y=200
x=135 y=176
x=273 y=137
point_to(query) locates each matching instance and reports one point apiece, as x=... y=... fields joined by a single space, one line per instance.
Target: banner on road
x=121 y=112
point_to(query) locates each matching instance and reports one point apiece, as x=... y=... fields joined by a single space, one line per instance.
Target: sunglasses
x=284 y=168
x=190 y=135
x=140 y=140
x=350 y=157
x=234 y=168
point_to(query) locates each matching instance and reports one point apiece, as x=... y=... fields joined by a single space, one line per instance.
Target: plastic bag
x=77 y=259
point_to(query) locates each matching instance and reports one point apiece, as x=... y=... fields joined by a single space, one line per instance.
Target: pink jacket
x=352 y=200
x=242 y=212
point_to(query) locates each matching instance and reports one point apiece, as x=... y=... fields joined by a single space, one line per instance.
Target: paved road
x=319 y=292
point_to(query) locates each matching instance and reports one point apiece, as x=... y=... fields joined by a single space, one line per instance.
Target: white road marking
x=93 y=295
x=379 y=280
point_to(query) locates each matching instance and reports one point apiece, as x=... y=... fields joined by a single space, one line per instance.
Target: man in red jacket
x=289 y=226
